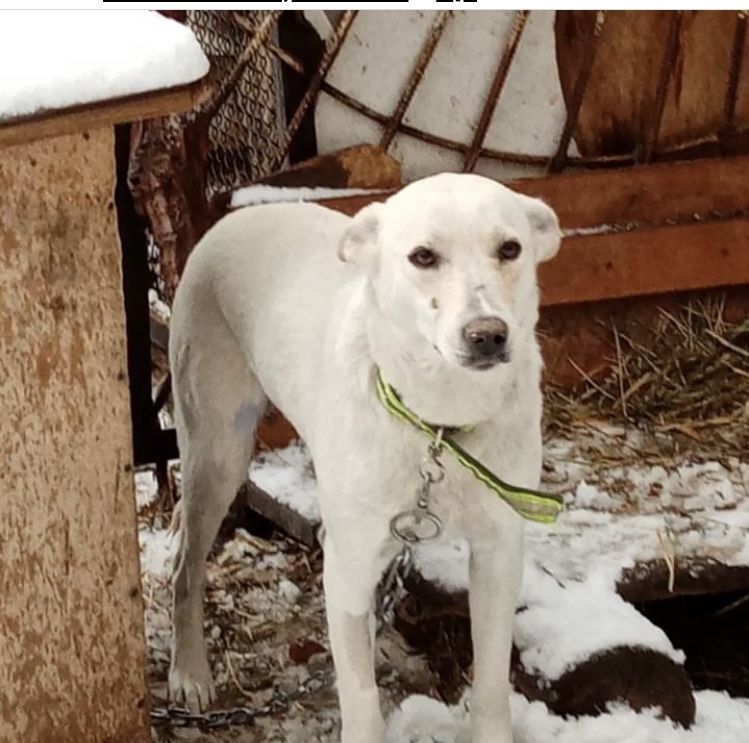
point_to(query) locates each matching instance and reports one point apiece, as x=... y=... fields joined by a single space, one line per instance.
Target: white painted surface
x=376 y=60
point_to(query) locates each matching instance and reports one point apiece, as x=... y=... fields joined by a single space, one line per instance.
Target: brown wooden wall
x=72 y=650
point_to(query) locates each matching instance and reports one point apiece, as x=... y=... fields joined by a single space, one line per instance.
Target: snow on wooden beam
x=90 y=116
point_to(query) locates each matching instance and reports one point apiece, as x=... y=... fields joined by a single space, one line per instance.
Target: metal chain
x=406 y=527
x=280 y=702
x=421 y=524
x=390 y=591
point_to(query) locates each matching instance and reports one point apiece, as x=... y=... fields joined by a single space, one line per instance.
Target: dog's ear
x=547 y=235
x=359 y=241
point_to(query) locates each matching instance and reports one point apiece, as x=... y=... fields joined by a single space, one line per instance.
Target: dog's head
x=452 y=262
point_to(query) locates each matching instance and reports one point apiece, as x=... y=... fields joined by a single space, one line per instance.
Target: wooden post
x=72 y=649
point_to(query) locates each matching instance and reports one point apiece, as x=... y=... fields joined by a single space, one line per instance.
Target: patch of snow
x=157 y=548
x=719 y=719
x=287 y=476
x=289 y=591
x=158 y=307
x=55 y=60
x=146 y=488
x=558 y=627
x=589 y=496
x=444 y=563
x=421 y=719
x=599 y=229
x=263 y=194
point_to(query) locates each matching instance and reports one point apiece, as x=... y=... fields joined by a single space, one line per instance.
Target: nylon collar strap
x=533 y=505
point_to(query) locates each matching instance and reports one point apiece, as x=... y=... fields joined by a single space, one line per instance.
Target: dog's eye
x=509 y=250
x=423 y=258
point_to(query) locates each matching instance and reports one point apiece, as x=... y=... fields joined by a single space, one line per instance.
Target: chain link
x=280 y=702
x=391 y=589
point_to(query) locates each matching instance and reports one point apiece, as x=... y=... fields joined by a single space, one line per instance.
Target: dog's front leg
x=495 y=574
x=350 y=579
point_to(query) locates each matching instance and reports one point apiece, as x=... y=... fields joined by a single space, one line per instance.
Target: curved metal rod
x=419 y=68
x=667 y=69
x=316 y=81
x=559 y=158
x=500 y=77
x=517 y=158
x=734 y=72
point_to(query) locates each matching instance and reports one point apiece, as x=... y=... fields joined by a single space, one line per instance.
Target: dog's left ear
x=359 y=241
x=547 y=235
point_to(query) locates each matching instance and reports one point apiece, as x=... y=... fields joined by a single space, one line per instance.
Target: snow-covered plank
x=89 y=116
x=52 y=61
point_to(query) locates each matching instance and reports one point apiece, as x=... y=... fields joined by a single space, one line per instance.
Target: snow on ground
x=720 y=719
x=289 y=477
x=264 y=597
x=262 y=194
x=51 y=60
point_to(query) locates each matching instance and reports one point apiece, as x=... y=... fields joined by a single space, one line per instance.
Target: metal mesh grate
x=248 y=131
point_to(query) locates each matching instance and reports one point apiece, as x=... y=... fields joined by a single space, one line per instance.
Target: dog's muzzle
x=485 y=342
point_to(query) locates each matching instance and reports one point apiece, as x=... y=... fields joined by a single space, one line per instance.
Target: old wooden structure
x=72 y=649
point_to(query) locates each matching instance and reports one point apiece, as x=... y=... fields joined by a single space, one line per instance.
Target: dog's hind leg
x=217 y=405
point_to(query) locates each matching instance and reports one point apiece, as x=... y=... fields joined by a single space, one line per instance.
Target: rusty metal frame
x=498 y=83
x=393 y=123
x=734 y=73
x=667 y=68
x=414 y=78
x=559 y=158
x=332 y=49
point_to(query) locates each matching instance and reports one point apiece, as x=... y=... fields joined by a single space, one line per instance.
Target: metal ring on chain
x=404 y=526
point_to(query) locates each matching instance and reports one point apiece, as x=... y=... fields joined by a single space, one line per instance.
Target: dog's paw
x=192 y=688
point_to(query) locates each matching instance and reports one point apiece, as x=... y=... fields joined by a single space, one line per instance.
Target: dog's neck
x=437 y=391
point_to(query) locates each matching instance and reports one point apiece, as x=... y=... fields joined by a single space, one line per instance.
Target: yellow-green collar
x=530 y=504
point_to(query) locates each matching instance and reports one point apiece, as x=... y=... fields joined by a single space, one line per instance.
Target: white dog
x=300 y=305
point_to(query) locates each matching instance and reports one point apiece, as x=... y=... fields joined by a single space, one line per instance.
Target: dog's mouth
x=478 y=363
x=483 y=363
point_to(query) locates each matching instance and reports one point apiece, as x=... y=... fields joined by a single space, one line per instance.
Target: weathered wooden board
x=108 y=112
x=632 y=264
x=610 y=264
x=646 y=194
x=72 y=650
x=362 y=166
x=282 y=516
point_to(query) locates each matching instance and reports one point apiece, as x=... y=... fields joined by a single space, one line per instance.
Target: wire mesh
x=247 y=133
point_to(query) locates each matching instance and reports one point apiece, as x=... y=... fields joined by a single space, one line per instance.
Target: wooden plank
x=363 y=166
x=641 y=262
x=89 y=116
x=279 y=514
x=72 y=649
x=648 y=581
x=648 y=194
x=629 y=264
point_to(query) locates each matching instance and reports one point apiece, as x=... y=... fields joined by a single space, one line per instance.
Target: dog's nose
x=486 y=338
